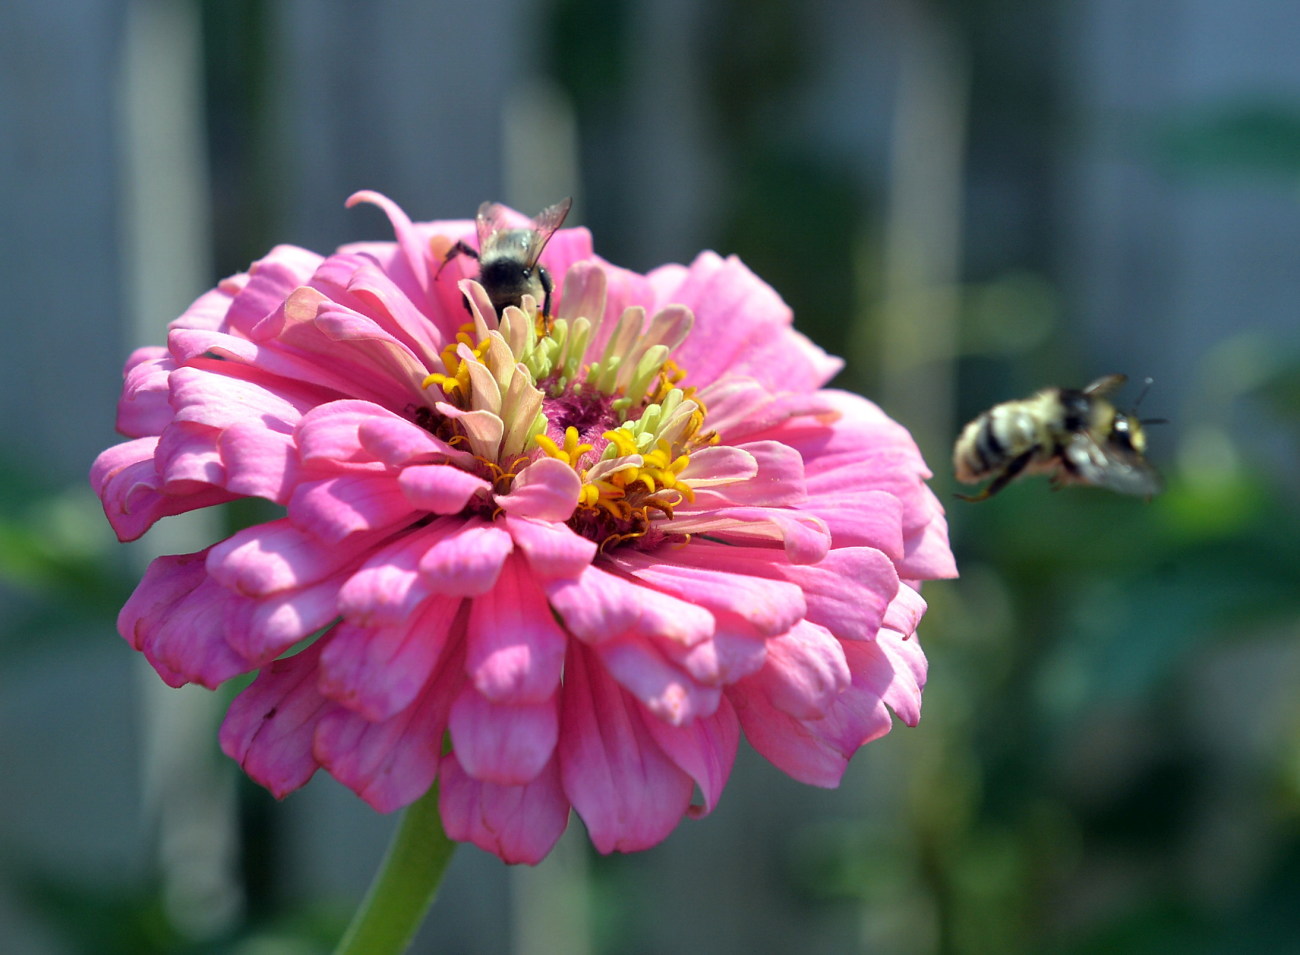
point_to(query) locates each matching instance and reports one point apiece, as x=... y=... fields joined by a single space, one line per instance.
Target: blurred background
x=969 y=200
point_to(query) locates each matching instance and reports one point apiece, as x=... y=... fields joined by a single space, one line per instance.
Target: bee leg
x=460 y=248
x=544 y=277
x=1008 y=475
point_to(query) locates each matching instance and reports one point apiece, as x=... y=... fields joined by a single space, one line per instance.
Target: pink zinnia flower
x=552 y=562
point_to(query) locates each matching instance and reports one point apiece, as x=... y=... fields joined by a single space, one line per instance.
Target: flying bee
x=1077 y=436
x=507 y=257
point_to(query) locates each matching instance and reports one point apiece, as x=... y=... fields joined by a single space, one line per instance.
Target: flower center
x=518 y=387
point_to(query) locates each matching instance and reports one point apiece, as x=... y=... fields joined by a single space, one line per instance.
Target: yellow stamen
x=623 y=441
x=572 y=450
x=549 y=446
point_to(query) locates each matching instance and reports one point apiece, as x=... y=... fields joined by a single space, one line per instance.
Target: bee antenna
x=1153 y=421
x=1146 y=386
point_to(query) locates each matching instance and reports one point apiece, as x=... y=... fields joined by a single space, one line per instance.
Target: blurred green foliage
x=127 y=921
x=1241 y=139
x=55 y=568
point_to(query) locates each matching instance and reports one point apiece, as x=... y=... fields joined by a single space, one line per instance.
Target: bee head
x=1135 y=436
x=1126 y=432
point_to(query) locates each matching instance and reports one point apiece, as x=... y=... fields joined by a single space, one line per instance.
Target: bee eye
x=1121 y=433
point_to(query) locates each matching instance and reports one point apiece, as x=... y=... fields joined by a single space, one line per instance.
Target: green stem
x=405 y=886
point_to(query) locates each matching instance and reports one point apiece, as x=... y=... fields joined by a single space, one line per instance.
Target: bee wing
x=1105 y=385
x=544 y=225
x=490 y=220
x=1116 y=469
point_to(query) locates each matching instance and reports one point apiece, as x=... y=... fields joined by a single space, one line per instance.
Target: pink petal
x=927 y=552
x=508 y=744
x=546 y=490
x=466 y=562
x=127 y=481
x=267 y=558
x=705 y=750
x=339 y=348
x=440 y=488
x=666 y=690
x=167 y=581
x=276 y=368
x=211 y=308
x=788 y=360
x=144 y=408
x=905 y=610
x=552 y=550
x=515 y=651
x=770 y=606
x=331 y=434
x=269 y=727
x=720 y=465
x=397 y=442
x=907 y=672
x=817 y=751
x=446 y=302
x=187 y=455
x=742 y=409
x=517 y=823
x=598 y=605
x=258 y=462
x=877 y=680
x=793 y=746
x=178 y=617
x=778 y=481
x=337 y=507
x=379 y=297
x=894 y=470
x=860 y=518
x=742 y=328
x=270 y=281
x=365 y=342
x=805 y=671
x=847 y=592
x=734 y=651
x=566 y=248
x=805 y=537
x=273 y=624
x=224 y=394
x=388 y=587
x=624 y=289
x=735 y=310
x=379 y=670
x=865 y=449
x=411 y=270
x=628 y=792
x=583 y=294
x=665 y=280
x=390 y=763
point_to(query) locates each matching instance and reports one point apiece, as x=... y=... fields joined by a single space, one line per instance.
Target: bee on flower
x=509 y=257
x=587 y=542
